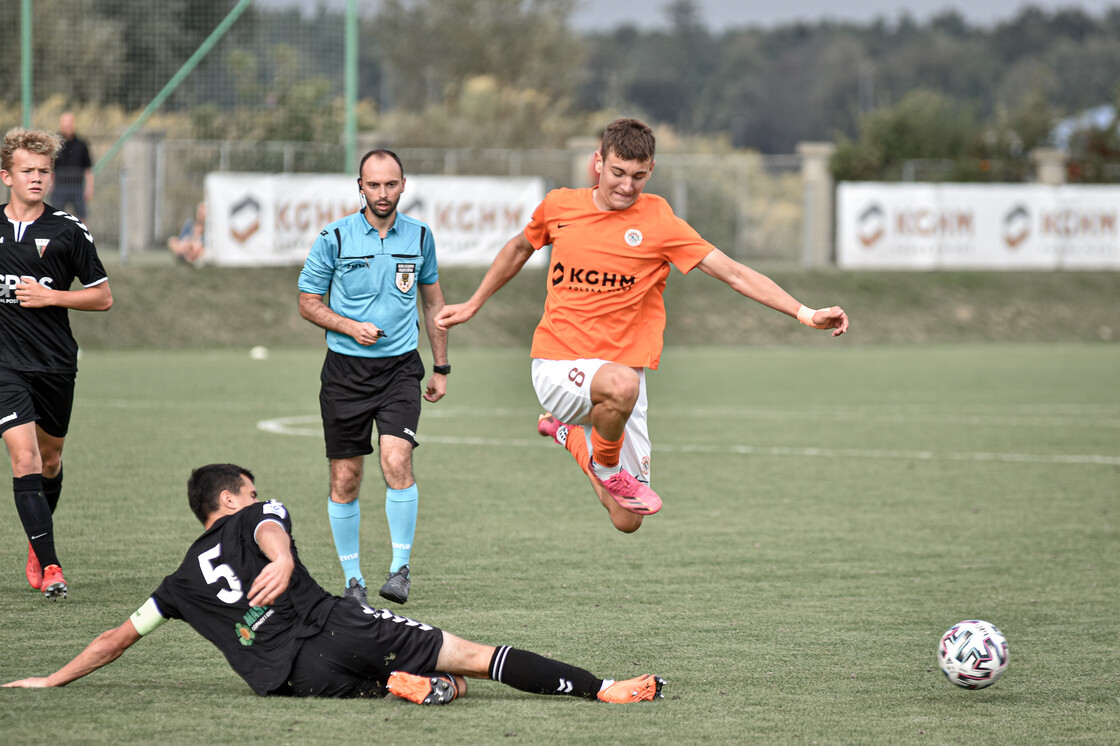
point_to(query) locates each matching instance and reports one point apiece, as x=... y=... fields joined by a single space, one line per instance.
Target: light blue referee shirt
x=374 y=279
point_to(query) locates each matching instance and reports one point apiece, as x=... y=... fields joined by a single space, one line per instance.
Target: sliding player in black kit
x=42 y=252
x=243 y=588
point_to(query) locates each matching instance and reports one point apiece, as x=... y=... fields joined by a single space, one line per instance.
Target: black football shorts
x=356 y=392
x=32 y=396
x=356 y=651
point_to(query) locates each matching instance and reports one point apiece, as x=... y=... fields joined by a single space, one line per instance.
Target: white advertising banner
x=272 y=219
x=977 y=226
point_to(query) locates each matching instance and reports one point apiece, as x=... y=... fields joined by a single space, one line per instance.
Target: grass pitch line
x=1015 y=458
x=309 y=426
x=1029 y=417
x=1047 y=416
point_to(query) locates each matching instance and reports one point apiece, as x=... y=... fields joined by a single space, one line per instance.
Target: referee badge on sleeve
x=406 y=276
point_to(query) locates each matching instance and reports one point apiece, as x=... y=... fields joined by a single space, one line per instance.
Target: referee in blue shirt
x=370 y=265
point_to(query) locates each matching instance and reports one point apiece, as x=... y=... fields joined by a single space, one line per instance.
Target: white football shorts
x=564 y=388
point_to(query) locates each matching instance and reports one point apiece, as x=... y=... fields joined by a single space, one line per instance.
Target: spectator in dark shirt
x=73 y=170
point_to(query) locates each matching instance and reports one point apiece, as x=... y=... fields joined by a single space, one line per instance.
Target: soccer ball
x=973 y=654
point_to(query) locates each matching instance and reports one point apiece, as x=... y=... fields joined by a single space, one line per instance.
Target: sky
x=719 y=15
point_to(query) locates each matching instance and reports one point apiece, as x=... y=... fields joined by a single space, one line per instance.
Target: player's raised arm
x=758 y=287
x=505 y=266
x=104 y=649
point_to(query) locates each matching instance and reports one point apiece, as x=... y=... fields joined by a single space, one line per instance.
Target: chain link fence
x=232 y=101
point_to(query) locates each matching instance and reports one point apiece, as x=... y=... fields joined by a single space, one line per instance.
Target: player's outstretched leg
x=430 y=689
x=530 y=672
x=642 y=689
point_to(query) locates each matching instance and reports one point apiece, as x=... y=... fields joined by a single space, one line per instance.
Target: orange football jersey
x=607 y=275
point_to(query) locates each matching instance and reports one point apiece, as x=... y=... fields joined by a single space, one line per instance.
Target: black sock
x=35 y=515
x=52 y=489
x=536 y=674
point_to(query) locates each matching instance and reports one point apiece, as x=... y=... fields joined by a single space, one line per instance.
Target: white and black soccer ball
x=973 y=654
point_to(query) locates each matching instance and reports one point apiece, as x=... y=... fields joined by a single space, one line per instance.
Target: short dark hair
x=207 y=483
x=379 y=153
x=629 y=139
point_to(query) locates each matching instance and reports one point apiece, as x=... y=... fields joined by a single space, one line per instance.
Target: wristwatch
x=443 y=370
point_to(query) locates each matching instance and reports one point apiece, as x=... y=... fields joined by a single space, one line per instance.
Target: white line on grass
x=309 y=425
x=892 y=415
x=1029 y=458
x=1041 y=415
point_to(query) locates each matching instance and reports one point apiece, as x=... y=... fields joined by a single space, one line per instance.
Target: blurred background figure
x=73 y=171
x=189 y=245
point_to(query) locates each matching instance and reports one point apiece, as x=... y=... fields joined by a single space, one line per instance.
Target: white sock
x=605 y=472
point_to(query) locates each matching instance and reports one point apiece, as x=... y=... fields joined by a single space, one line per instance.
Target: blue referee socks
x=346 y=520
x=400 y=508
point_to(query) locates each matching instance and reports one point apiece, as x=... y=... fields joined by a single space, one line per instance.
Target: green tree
x=81 y=62
x=431 y=48
x=1095 y=150
x=925 y=124
x=155 y=38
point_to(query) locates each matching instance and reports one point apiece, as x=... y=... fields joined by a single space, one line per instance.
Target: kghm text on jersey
x=591 y=278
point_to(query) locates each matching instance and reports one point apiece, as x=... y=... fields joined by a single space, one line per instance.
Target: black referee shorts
x=356 y=651
x=34 y=396
x=358 y=391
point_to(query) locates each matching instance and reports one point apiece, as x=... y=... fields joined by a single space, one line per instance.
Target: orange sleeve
x=683 y=245
x=537 y=230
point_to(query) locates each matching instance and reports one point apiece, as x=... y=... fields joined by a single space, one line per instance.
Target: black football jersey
x=210 y=590
x=55 y=249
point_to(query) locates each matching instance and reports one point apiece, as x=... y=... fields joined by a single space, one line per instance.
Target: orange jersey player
x=604 y=315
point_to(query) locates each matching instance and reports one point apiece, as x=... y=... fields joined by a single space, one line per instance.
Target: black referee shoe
x=396 y=586
x=356 y=591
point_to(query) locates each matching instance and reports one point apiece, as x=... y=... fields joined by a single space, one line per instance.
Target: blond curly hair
x=33 y=141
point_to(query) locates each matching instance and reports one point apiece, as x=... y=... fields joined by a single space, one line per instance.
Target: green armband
x=147 y=617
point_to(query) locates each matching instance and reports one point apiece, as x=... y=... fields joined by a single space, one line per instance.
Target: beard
x=383 y=210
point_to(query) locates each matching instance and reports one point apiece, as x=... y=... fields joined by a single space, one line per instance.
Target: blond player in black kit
x=42 y=252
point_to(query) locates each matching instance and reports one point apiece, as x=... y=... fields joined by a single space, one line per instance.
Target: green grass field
x=829 y=512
